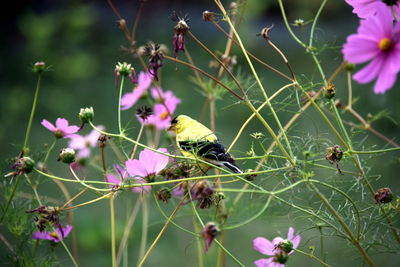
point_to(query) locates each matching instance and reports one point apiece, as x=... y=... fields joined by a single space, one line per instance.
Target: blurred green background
x=82 y=43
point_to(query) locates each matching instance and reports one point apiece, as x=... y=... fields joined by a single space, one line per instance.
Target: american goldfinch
x=196 y=140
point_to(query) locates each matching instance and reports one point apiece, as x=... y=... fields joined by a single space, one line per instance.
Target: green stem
x=10 y=199
x=28 y=130
x=119 y=104
x=348 y=231
x=145 y=223
x=376 y=151
x=315 y=23
x=112 y=217
x=312 y=257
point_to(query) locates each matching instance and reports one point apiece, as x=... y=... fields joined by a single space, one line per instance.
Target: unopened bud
x=208 y=15
x=282 y=257
x=298 y=22
x=86 y=114
x=329 y=90
x=67 y=155
x=164 y=194
x=24 y=165
x=286 y=246
x=209 y=233
x=39 y=67
x=350 y=67
x=383 y=195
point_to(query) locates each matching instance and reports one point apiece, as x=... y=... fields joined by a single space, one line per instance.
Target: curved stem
x=28 y=130
x=311 y=256
x=145 y=222
x=119 y=104
x=112 y=217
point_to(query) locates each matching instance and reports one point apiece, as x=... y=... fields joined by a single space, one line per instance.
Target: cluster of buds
x=329 y=90
x=181 y=28
x=334 y=155
x=46 y=214
x=383 y=195
x=22 y=165
x=156 y=56
x=124 y=69
x=203 y=193
x=209 y=233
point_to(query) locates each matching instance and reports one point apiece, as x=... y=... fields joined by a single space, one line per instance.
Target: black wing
x=213 y=151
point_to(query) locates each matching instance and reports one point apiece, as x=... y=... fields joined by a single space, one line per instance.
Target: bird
x=195 y=140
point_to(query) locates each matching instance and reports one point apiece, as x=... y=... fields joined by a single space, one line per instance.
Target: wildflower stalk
x=376 y=151
x=127 y=230
x=350 y=90
x=88 y=202
x=340 y=220
x=199 y=245
x=132 y=155
x=83 y=183
x=119 y=104
x=290 y=155
x=312 y=256
x=112 y=217
x=10 y=198
x=145 y=223
x=162 y=231
x=35 y=98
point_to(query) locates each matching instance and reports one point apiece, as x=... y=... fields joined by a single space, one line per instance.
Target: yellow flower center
x=164 y=115
x=54 y=234
x=385 y=44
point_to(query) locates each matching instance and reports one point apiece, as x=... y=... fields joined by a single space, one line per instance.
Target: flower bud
x=39 y=67
x=23 y=165
x=383 y=195
x=329 y=90
x=86 y=114
x=298 y=23
x=67 y=155
x=164 y=194
x=333 y=154
x=350 y=67
x=286 y=246
x=208 y=15
x=250 y=177
x=124 y=69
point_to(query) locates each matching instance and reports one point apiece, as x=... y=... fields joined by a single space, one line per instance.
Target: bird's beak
x=171 y=128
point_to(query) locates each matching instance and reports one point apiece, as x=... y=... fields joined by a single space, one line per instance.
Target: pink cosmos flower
x=272 y=248
x=121 y=172
x=150 y=163
x=377 y=40
x=367 y=8
x=62 y=129
x=162 y=115
x=83 y=144
x=129 y=99
x=53 y=236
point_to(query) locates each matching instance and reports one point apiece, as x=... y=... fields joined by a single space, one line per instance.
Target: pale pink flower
x=61 y=129
x=148 y=165
x=83 y=144
x=53 y=236
x=272 y=248
x=367 y=8
x=130 y=99
x=115 y=178
x=378 y=41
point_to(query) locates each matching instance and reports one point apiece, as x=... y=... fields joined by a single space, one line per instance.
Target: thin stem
x=376 y=151
x=127 y=230
x=119 y=104
x=137 y=20
x=89 y=202
x=162 y=231
x=258 y=81
x=350 y=90
x=312 y=256
x=145 y=223
x=199 y=245
x=315 y=23
x=28 y=130
x=83 y=183
x=112 y=217
x=10 y=198
x=132 y=155
x=283 y=57
x=288 y=26
x=342 y=223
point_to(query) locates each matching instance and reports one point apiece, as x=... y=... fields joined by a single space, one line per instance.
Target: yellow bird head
x=179 y=123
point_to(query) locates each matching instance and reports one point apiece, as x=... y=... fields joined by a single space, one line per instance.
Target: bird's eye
x=174 y=121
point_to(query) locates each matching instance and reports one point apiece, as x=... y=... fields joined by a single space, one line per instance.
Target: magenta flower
x=150 y=163
x=53 y=236
x=367 y=8
x=83 y=144
x=62 y=129
x=115 y=178
x=377 y=40
x=279 y=248
x=162 y=115
x=129 y=99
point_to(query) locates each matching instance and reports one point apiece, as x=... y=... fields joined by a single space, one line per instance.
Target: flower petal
x=61 y=124
x=369 y=72
x=264 y=246
x=265 y=262
x=76 y=141
x=161 y=160
x=135 y=168
x=385 y=81
x=48 y=125
x=360 y=48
